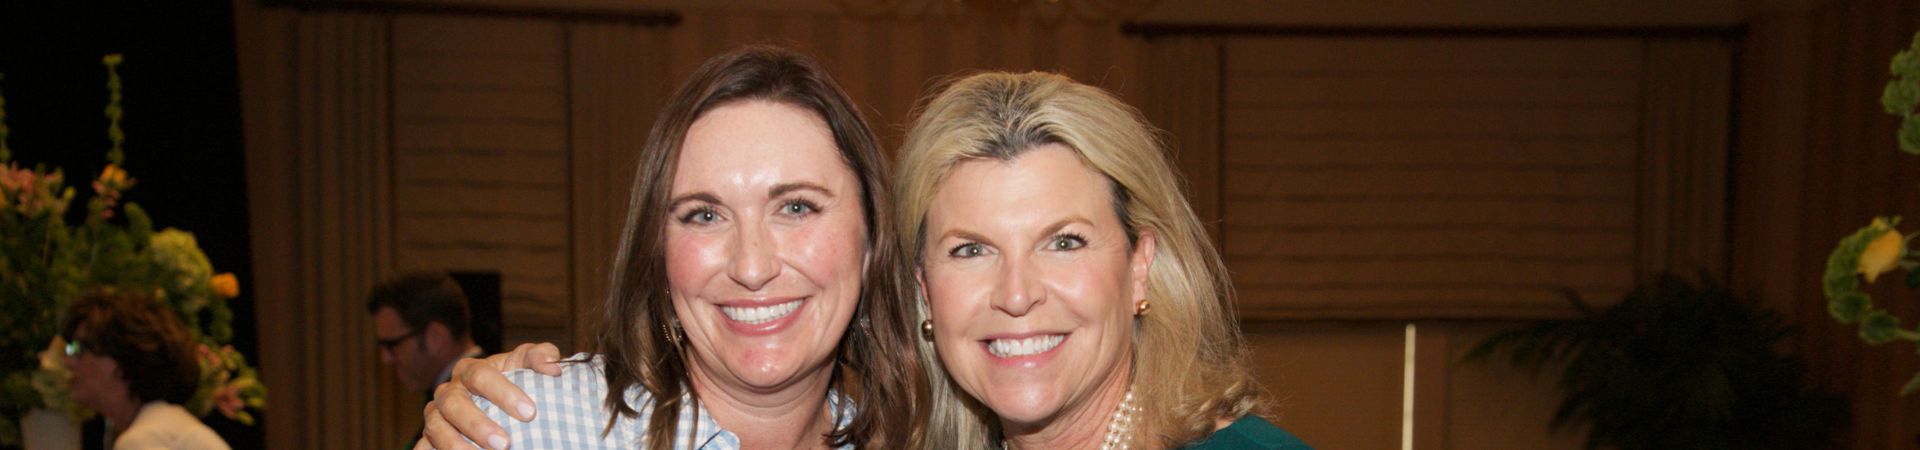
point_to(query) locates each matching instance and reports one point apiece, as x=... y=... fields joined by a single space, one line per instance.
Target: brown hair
x=1190 y=361
x=152 y=347
x=878 y=351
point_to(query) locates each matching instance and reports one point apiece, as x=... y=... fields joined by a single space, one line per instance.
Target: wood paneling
x=1395 y=177
x=1816 y=159
x=1357 y=182
x=509 y=200
x=318 y=137
x=1685 y=126
x=612 y=110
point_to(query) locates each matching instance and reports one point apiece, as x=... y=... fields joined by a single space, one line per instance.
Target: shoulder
x=166 y=425
x=571 y=409
x=1251 y=432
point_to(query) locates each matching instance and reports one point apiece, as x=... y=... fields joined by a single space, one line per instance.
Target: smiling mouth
x=761 y=314
x=1031 y=345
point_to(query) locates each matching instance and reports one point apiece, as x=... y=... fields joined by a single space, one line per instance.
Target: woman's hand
x=452 y=418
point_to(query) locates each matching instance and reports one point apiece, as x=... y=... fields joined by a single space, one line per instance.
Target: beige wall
x=1349 y=174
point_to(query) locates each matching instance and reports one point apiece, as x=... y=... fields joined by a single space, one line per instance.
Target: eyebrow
x=1051 y=229
x=702 y=196
x=785 y=188
x=776 y=191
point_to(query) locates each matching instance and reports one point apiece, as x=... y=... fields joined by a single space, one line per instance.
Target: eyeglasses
x=388 y=344
x=74 y=348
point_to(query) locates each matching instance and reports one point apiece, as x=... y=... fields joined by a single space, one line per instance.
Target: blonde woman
x=1067 y=288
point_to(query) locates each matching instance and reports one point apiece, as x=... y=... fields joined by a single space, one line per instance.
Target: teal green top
x=1251 y=432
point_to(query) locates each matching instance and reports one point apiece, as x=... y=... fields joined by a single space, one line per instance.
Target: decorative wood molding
x=1154 y=30
x=631 y=17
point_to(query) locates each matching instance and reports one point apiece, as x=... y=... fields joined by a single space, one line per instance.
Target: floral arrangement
x=1879 y=247
x=45 y=262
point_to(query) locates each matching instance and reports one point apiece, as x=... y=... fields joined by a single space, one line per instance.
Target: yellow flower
x=225 y=285
x=1883 y=253
x=113 y=175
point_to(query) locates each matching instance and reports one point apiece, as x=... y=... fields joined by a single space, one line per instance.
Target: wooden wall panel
x=617 y=81
x=1686 y=121
x=318 y=138
x=510 y=201
x=1333 y=385
x=1815 y=160
x=1493 y=405
x=1405 y=177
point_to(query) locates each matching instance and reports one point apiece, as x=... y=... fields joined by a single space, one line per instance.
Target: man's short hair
x=153 y=349
x=421 y=298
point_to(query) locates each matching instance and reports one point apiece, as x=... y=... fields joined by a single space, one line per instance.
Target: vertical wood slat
x=610 y=117
x=1183 y=98
x=1817 y=161
x=345 y=236
x=1685 y=120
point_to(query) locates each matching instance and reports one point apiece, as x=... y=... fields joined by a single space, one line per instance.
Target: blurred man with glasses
x=420 y=325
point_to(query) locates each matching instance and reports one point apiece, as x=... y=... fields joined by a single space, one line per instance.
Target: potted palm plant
x=1674 y=365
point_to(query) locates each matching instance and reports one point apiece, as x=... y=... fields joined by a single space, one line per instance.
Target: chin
x=773 y=371
x=1023 y=406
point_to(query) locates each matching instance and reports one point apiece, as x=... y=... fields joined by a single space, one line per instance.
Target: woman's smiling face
x=1032 y=283
x=765 y=245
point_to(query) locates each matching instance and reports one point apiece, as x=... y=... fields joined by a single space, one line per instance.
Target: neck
x=793 y=415
x=120 y=414
x=1078 y=427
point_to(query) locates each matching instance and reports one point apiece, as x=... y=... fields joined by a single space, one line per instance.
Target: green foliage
x=45 y=262
x=1675 y=366
x=1902 y=95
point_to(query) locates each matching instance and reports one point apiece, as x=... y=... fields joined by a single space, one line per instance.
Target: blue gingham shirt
x=572 y=414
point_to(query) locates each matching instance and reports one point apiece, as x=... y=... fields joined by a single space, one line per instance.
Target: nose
x=386 y=356
x=753 y=262
x=1020 y=289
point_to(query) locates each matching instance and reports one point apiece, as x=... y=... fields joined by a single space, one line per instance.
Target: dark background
x=182 y=125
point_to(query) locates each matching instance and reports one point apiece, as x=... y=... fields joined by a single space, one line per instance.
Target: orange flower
x=113 y=175
x=225 y=285
x=1882 y=254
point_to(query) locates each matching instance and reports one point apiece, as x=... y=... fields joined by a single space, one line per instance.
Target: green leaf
x=1900 y=96
x=1849 y=308
x=1912 y=385
x=1913 y=279
x=1909 y=135
x=1878 y=327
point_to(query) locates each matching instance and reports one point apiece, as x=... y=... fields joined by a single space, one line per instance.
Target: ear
x=437 y=336
x=1141 y=263
x=920 y=281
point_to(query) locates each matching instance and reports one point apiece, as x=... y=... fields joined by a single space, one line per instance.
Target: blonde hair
x=1190 y=361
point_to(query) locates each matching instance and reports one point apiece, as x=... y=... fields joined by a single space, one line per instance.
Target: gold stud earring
x=1140 y=309
x=926 y=329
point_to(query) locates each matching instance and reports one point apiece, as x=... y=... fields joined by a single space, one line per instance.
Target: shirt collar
x=697 y=429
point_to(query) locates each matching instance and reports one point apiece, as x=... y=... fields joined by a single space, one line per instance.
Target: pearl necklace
x=1118 y=429
x=1122 y=425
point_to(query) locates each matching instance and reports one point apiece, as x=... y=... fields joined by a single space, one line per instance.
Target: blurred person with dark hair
x=133 y=362
x=420 y=323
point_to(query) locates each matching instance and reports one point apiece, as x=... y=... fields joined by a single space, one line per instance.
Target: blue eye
x=798 y=208
x=967 y=250
x=700 y=216
x=1066 y=242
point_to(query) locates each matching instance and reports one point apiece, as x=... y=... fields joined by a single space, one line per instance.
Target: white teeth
x=759 y=315
x=1008 y=348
